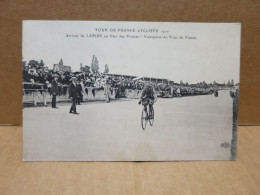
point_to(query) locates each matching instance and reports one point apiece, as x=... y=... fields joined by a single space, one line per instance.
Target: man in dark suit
x=80 y=96
x=73 y=94
x=54 y=91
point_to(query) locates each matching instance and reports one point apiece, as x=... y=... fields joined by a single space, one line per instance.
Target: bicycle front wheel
x=144 y=119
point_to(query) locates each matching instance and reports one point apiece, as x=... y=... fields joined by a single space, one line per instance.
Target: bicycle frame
x=147 y=115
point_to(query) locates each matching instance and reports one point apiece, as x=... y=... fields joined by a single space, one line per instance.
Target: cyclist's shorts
x=145 y=102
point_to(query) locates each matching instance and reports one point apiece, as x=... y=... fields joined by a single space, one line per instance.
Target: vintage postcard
x=130 y=91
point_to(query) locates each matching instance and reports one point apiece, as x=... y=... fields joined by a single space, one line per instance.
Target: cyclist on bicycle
x=148 y=96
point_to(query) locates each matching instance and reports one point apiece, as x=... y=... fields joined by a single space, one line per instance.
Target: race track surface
x=187 y=128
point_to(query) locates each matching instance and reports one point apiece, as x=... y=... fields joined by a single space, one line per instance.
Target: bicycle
x=147 y=115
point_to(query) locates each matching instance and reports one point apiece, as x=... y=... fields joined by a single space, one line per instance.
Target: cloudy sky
x=213 y=55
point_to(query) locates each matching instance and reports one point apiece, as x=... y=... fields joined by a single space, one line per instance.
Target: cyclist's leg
x=145 y=108
x=150 y=107
x=146 y=113
x=150 y=110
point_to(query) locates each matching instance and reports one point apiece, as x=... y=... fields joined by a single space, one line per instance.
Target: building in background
x=61 y=68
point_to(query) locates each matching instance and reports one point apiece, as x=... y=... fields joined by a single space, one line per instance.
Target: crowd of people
x=42 y=80
x=39 y=78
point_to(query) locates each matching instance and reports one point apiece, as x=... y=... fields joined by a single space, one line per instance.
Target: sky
x=208 y=51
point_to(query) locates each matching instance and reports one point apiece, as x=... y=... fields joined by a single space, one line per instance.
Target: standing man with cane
x=73 y=94
x=54 y=91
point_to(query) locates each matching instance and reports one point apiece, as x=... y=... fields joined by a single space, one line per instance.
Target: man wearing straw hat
x=73 y=95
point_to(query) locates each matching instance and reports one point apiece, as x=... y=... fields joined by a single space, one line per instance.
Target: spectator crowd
x=41 y=78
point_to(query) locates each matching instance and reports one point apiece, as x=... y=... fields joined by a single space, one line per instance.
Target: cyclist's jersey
x=148 y=92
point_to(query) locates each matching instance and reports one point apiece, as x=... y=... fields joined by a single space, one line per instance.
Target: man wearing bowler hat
x=54 y=90
x=73 y=93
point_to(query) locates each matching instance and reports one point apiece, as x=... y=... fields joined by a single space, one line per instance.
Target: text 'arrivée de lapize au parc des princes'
x=130 y=33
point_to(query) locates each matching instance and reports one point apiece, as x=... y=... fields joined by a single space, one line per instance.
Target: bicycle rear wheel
x=144 y=119
x=151 y=116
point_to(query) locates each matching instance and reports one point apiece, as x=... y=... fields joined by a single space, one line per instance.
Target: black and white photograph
x=130 y=91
